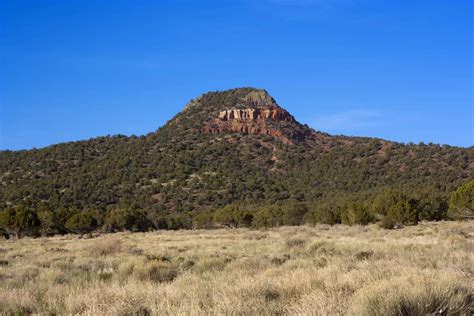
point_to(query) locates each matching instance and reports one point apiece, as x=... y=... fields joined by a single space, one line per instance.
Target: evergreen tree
x=81 y=223
x=19 y=220
x=461 y=204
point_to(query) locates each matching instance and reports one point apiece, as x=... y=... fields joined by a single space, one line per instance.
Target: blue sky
x=400 y=70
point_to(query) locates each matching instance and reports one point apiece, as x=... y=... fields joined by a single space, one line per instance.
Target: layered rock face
x=254 y=121
x=274 y=113
x=251 y=111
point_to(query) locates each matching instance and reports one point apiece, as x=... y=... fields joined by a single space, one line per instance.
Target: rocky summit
x=248 y=111
x=262 y=110
x=233 y=147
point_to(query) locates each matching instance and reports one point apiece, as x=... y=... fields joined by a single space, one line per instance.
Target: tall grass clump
x=426 y=294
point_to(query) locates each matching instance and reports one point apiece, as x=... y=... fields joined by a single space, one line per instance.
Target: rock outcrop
x=259 y=98
x=274 y=113
x=256 y=121
x=246 y=110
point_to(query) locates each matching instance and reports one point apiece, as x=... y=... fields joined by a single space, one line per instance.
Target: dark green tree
x=292 y=213
x=461 y=204
x=203 y=220
x=268 y=216
x=124 y=219
x=432 y=204
x=325 y=213
x=232 y=216
x=81 y=223
x=386 y=200
x=19 y=220
x=48 y=222
x=178 y=221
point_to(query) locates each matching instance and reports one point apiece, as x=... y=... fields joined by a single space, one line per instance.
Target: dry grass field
x=324 y=270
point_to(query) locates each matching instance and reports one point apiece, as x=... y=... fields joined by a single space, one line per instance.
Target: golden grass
x=290 y=270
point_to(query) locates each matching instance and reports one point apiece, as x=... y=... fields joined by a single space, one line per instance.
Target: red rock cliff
x=253 y=121
x=273 y=113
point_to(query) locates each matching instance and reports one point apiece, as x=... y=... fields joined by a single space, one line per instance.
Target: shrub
x=178 y=221
x=387 y=223
x=267 y=216
x=404 y=211
x=233 y=216
x=385 y=200
x=271 y=294
x=325 y=213
x=203 y=220
x=461 y=204
x=210 y=264
x=105 y=247
x=158 y=273
x=126 y=219
x=19 y=220
x=425 y=295
x=356 y=213
x=396 y=207
x=364 y=255
x=162 y=274
x=292 y=213
x=47 y=222
x=295 y=242
x=432 y=204
x=81 y=223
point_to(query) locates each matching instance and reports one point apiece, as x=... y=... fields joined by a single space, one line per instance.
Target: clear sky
x=76 y=69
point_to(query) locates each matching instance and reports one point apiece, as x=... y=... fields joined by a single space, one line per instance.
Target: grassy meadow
x=325 y=270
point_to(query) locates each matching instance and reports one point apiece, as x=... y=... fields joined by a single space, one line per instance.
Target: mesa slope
x=231 y=147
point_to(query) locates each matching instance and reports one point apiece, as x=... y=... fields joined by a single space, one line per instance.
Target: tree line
x=390 y=208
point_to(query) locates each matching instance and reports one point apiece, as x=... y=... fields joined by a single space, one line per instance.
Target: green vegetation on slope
x=168 y=178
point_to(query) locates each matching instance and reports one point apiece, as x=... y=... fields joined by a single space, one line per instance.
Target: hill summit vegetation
x=230 y=158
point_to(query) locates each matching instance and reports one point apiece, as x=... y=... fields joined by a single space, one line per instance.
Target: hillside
x=232 y=147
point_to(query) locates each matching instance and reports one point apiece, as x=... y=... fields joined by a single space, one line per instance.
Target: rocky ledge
x=255 y=121
x=274 y=113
